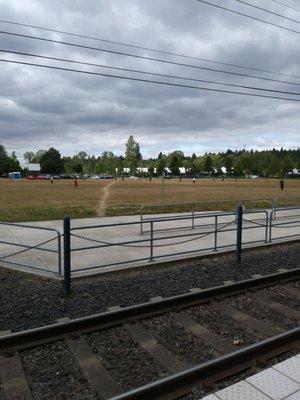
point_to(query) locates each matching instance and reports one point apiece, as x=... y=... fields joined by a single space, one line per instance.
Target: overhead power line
x=286 y=5
x=147 y=80
x=248 y=16
x=267 y=11
x=146 y=72
x=145 y=48
x=144 y=57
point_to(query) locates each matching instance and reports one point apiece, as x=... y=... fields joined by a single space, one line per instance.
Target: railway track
x=156 y=350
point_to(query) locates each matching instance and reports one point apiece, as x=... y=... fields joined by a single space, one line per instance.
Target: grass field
x=39 y=200
x=27 y=200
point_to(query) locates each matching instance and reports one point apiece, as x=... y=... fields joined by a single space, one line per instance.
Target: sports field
x=39 y=200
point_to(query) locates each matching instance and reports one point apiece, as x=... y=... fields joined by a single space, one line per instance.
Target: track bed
x=128 y=348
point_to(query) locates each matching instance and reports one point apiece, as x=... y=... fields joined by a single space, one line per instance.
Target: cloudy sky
x=40 y=108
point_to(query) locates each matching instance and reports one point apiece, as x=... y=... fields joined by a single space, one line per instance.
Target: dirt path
x=102 y=203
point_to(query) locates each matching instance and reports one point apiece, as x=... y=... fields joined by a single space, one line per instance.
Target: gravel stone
x=51 y=374
x=127 y=363
x=176 y=339
x=280 y=295
x=261 y=312
x=223 y=326
x=28 y=301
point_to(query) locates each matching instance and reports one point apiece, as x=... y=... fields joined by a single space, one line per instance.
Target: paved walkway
x=281 y=382
x=185 y=237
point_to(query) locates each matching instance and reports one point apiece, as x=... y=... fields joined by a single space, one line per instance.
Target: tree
x=29 y=156
x=3 y=159
x=38 y=155
x=228 y=164
x=175 y=164
x=12 y=164
x=51 y=162
x=161 y=165
x=77 y=167
x=82 y=155
x=286 y=165
x=132 y=154
x=208 y=164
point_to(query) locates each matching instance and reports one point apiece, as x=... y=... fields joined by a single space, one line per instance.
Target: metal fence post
x=267 y=227
x=270 y=226
x=193 y=218
x=239 y=228
x=59 y=253
x=274 y=202
x=151 y=241
x=216 y=233
x=141 y=224
x=67 y=256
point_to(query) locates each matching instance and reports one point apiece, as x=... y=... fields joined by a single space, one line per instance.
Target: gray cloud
x=40 y=108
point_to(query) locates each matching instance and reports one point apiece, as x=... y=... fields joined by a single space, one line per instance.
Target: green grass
x=38 y=213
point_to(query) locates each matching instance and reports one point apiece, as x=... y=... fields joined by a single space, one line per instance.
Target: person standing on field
x=51 y=180
x=75 y=183
x=281 y=184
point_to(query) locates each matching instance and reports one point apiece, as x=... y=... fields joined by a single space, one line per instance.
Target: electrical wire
x=147 y=80
x=248 y=16
x=286 y=5
x=144 y=57
x=145 y=48
x=145 y=72
x=267 y=11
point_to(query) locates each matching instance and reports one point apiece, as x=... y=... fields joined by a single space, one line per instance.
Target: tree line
x=266 y=163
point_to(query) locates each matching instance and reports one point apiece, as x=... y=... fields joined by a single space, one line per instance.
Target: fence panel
x=284 y=223
x=30 y=247
x=108 y=245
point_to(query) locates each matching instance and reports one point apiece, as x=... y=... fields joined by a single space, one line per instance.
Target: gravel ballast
x=127 y=363
x=51 y=374
x=225 y=327
x=259 y=311
x=29 y=301
x=174 y=337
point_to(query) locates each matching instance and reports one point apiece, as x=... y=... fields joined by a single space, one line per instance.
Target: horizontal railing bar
x=111 y=265
x=30 y=226
x=283 y=237
x=205 y=233
x=29 y=266
x=29 y=247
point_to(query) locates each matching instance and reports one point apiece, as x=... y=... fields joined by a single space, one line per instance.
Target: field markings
x=101 y=208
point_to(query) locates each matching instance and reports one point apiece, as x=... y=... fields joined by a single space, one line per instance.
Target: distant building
x=33 y=169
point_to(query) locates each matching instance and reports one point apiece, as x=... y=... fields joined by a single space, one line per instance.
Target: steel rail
x=33 y=337
x=176 y=385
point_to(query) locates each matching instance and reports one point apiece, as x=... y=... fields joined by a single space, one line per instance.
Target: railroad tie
x=160 y=354
x=12 y=377
x=293 y=291
x=91 y=367
x=204 y=334
x=245 y=319
x=275 y=306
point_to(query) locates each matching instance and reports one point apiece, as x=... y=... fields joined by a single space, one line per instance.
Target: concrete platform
x=173 y=239
x=280 y=382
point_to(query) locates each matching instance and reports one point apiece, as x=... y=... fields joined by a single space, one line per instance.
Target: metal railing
x=215 y=231
x=279 y=221
x=272 y=203
x=26 y=247
x=222 y=222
